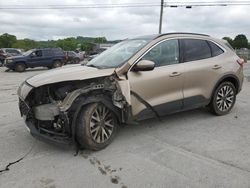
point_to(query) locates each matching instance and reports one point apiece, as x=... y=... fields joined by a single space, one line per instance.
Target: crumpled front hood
x=68 y=73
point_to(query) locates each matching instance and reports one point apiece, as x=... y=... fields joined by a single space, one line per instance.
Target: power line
x=113 y=5
x=172 y=4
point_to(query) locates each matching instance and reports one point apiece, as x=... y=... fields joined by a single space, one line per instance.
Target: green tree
x=240 y=41
x=67 y=44
x=100 y=40
x=7 y=40
x=87 y=46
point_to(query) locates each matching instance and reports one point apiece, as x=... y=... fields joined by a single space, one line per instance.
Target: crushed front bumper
x=40 y=132
x=47 y=137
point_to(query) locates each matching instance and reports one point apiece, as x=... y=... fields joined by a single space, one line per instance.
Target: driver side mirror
x=144 y=65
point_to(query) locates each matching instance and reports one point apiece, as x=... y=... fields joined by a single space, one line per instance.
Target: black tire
x=223 y=99
x=20 y=67
x=57 y=64
x=90 y=131
x=76 y=60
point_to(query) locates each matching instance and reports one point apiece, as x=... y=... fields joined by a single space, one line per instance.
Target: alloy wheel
x=101 y=124
x=225 y=98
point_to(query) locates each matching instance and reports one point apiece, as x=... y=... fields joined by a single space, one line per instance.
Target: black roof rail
x=182 y=33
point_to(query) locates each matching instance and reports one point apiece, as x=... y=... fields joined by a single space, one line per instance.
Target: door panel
x=161 y=87
x=199 y=80
x=201 y=72
x=158 y=88
x=38 y=59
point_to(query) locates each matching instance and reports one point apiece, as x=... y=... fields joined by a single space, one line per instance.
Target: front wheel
x=223 y=99
x=96 y=126
x=20 y=67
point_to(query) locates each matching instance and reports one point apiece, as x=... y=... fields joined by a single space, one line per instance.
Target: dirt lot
x=189 y=149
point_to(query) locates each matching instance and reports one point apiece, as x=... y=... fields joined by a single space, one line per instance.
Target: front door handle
x=216 y=67
x=175 y=74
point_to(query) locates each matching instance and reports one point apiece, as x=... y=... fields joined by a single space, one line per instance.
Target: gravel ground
x=188 y=149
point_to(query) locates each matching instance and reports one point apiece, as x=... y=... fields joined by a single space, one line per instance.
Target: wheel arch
x=21 y=62
x=82 y=101
x=230 y=78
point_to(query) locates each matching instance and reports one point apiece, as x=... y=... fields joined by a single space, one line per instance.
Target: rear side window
x=58 y=52
x=216 y=50
x=195 y=49
x=47 y=53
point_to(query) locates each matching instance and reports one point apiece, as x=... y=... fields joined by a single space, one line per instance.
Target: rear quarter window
x=215 y=49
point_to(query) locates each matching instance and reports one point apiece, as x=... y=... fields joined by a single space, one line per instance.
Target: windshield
x=28 y=52
x=118 y=54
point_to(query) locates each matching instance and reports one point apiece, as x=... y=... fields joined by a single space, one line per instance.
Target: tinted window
x=57 y=52
x=72 y=54
x=12 y=51
x=165 y=53
x=47 y=53
x=37 y=53
x=195 y=49
x=216 y=50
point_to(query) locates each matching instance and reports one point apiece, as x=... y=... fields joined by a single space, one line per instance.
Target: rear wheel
x=223 y=99
x=57 y=64
x=96 y=127
x=20 y=67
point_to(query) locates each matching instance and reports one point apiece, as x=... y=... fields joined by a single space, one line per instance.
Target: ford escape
x=137 y=78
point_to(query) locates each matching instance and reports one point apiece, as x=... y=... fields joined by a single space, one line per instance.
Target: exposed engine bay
x=52 y=109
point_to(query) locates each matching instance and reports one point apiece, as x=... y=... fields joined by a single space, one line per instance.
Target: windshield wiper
x=95 y=66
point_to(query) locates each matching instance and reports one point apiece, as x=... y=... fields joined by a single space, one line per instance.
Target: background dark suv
x=47 y=57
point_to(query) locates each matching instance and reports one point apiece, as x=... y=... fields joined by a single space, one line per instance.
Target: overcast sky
x=119 y=23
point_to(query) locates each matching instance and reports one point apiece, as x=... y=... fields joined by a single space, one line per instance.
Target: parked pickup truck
x=47 y=57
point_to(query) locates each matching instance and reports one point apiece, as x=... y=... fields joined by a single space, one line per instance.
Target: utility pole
x=161 y=13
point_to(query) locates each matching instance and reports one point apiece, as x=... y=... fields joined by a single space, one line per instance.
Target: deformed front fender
x=71 y=97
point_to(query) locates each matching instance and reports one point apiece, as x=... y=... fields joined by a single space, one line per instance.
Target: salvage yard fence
x=243 y=53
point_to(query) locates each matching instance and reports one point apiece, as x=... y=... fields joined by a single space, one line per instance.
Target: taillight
x=241 y=62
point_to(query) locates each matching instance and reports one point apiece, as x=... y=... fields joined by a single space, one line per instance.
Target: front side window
x=37 y=53
x=195 y=49
x=165 y=53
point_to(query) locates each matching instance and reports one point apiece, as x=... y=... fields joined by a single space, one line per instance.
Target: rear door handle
x=175 y=74
x=216 y=67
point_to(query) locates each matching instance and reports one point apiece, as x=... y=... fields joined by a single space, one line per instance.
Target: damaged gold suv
x=135 y=79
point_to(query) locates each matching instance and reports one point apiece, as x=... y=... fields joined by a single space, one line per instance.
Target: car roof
x=154 y=36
